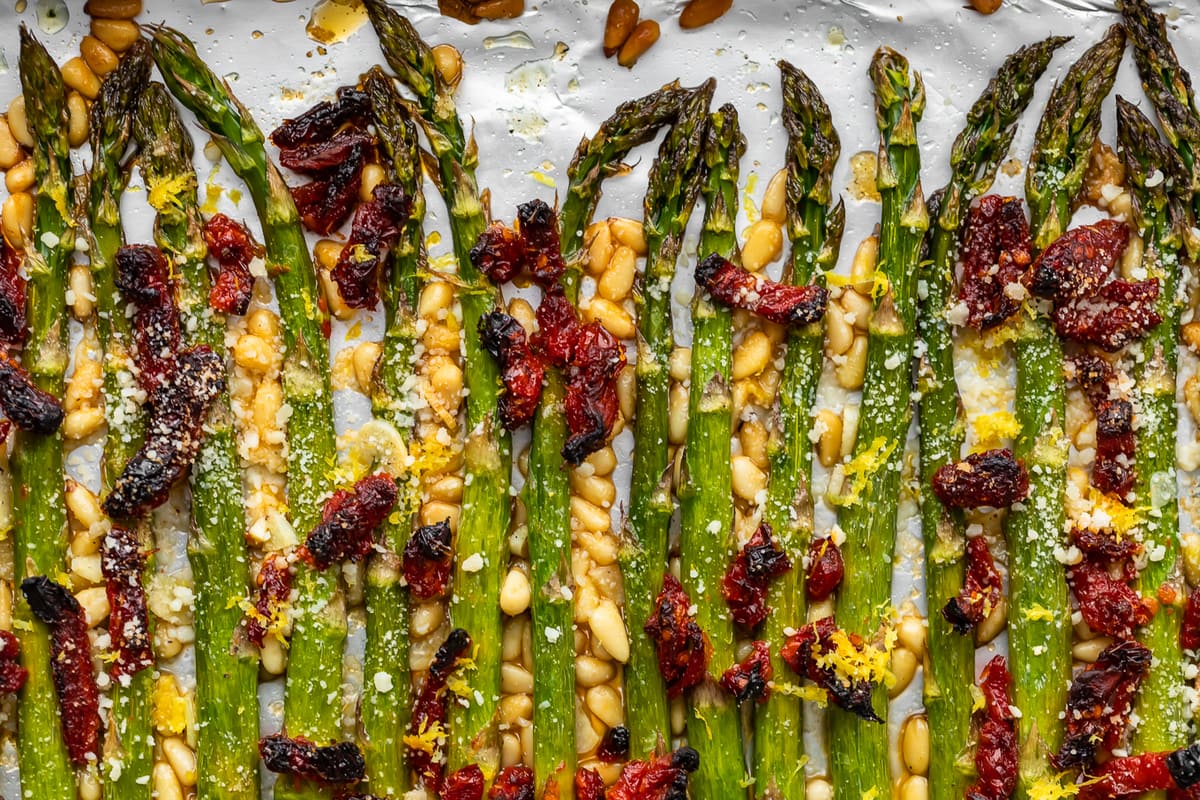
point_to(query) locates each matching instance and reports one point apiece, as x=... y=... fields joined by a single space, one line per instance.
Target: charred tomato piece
x=781 y=303
x=591 y=403
x=614 y=746
x=543 y=251
x=1108 y=605
x=377 y=225
x=428 y=560
x=29 y=408
x=558 y=329
x=996 y=252
x=429 y=707
x=996 y=754
x=662 y=778
x=1189 y=633
x=991 y=478
x=825 y=568
x=803 y=652
x=12 y=674
x=521 y=371
x=70 y=665
x=324 y=203
x=274 y=587
x=750 y=678
x=339 y=763
x=231 y=245
x=512 y=783
x=749 y=576
x=1099 y=702
x=319 y=157
x=464 y=784
x=1119 y=313
x=1105 y=544
x=499 y=253
x=12 y=296
x=1076 y=264
x=683 y=648
x=122 y=563
x=349 y=520
x=588 y=784
x=144 y=278
x=981 y=589
x=322 y=120
x=1115 y=442
x=1177 y=773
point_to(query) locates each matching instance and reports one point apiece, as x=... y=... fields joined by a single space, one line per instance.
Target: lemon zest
x=1038 y=612
x=861 y=468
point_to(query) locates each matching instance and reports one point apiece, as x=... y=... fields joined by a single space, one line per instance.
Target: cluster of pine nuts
x=628 y=37
x=849 y=316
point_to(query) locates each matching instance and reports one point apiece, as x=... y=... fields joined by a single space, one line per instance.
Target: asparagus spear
x=39 y=529
x=706 y=513
x=1161 y=214
x=548 y=491
x=386 y=707
x=950 y=671
x=312 y=707
x=1040 y=646
x=226 y=680
x=674 y=183
x=815 y=231
x=859 y=751
x=486 y=508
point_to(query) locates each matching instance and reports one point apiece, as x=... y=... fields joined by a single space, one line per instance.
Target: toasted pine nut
x=365 y=356
x=858 y=309
x=1089 y=651
x=622 y=18
x=839 y=335
x=437 y=511
x=983 y=7
x=764 y=244
x=515 y=593
x=992 y=624
x=333 y=296
x=82 y=423
x=615 y=319
x=679 y=364
x=10 y=148
x=1191 y=557
x=119 y=34
x=605 y=703
x=903 y=667
x=510 y=747
x=829 y=443
x=83 y=506
x=1191 y=396
x=436 y=297
x=326 y=252
x=597 y=490
x=1131 y=257
x=850 y=374
x=617 y=281
x=449 y=63
x=753 y=437
x=819 y=789
x=446 y=378
x=166 y=784
x=448 y=488
x=915 y=787
x=774 y=202
x=515 y=679
x=182 y=760
x=627 y=391
x=603 y=461
x=427 y=618
x=640 y=40
x=629 y=232
x=372 y=176
x=911 y=633
x=516 y=707
x=587 y=738
x=914 y=745
x=21 y=177
x=677 y=415
x=87 y=569
x=602 y=547
x=1191 y=336
x=16 y=220
x=1121 y=205
x=591 y=671
x=520 y=310
x=599 y=241
x=698 y=13
x=99 y=56
x=590 y=517
x=678 y=716
x=83 y=297
x=113 y=9
x=263 y=323
x=748 y=479
x=510 y=646
x=252 y=353
x=751 y=356
x=609 y=629
x=18 y=122
x=268 y=399
x=273 y=656
x=89 y=786
x=78 y=125
x=849 y=428
x=94 y=602
x=79 y=76
x=862 y=269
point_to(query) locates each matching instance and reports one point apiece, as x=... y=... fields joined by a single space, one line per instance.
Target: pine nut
x=677 y=415
x=858 y=308
x=333 y=297
x=615 y=319
x=94 y=602
x=622 y=18
x=18 y=122
x=449 y=63
x=267 y=402
x=500 y=9
x=678 y=716
x=515 y=593
x=77 y=120
x=698 y=13
x=82 y=423
x=629 y=232
x=16 y=220
x=603 y=461
x=10 y=148
x=819 y=789
x=182 y=760
x=520 y=310
x=596 y=490
x=1191 y=557
x=764 y=244
x=992 y=624
x=627 y=391
x=640 y=40
x=83 y=389
x=440 y=338
x=983 y=7
x=6 y=606
x=748 y=480
x=83 y=505
x=829 y=443
x=113 y=9
x=862 y=269
x=427 y=618
x=273 y=656
x=605 y=703
x=916 y=787
x=839 y=334
x=1191 y=336
x=587 y=738
x=516 y=707
x=79 y=76
x=911 y=633
x=609 y=628
x=365 y=357
x=372 y=176
x=448 y=488
x=1121 y=205
x=119 y=34
x=1131 y=257
x=850 y=374
x=166 y=785
x=527 y=744
x=914 y=744
x=87 y=569
x=515 y=679
x=679 y=364
x=510 y=644
x=1089 y=651
x=751 y=356
x=99 y=56
x=437 y=511
x=436 y=297
x=446 y=378
x=89 y=786
x=263 y=323
x=1191 y=396
x=510 y=749
x=903 y=667
x=774 y=202
x=602 y=548
x=326 y=253
x=252 y=353
x=589 y=516
x=849 y=429
x=20 y=177
x=599 y=241
x=753 y=437
x=617 y=281
x=591 y=671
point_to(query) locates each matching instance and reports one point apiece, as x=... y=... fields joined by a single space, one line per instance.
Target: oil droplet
x=52 y=15
x=334 y=21
x=256 y=34
x=836 y=36
x=20 y=6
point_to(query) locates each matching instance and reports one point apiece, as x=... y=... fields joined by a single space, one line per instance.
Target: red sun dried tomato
x=499 y=253
x=981 y=589
x=29 y=408
x=349 y=520
x=512 y=783
x=377 y=225
x=324 y=203
x=749 y=576
x=1115 y=443
x=428 y=560
x=173 y=435
x=1177 y=773
x=1189 y=632
x=464 y=784
x=614 y=746
x=1119 y=313
x=683 y=648
x=318 y=157
x=274 y=583
x=802 y=652
x=558 y=329
x=1108 y=605
x=750 y=678
x=521 y=371
x=322 y=120
x=12 y=674
x=144 y=278
x=1105 y=544
x=1075 y=265
x=1099 y=702
x=781 y=303
x=122 y=562
x=996 y=754
x=543 y=252
x=663 y=778
x=825 y=569
x=429 y=707
x=338 y=763
x=591 y=404
x=12 y=296
x=70 y=666
x=588 y=784
x=231 y=245
x=991 y=478
x=996 y=252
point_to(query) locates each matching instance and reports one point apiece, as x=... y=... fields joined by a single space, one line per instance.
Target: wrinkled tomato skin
x=376 y=227
x=27 y=406
x=996 y=754
x=144 y=278
x=750 y=678
x=13 y=321
x=1129 y=776
x=1099 y=702
x=322 y=120
x=428 y=560
x=429 y=706
x=326 y=202
x=12 y=674
x=1119 y=313
x=825 y=569
x=499 y=253
x=992 y=478
x=663 y=778
x=274 y=588
x=558 y=329
x=349 y=521
x=464 y=784
x=591 y=403
x=588 y=784
x=683 y=648
x=1189 y=633
x=801 y=653
x=784 y=304
x=1075 y=264
x=996 y=253
x=748 y=578
x=339 y=763
x=513 y=783
x=1108 y=605
x=122 y=563
x=981 y=589
x=543 y=251
x=521 y=371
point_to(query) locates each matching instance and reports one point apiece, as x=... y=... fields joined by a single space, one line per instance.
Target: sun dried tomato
x=464 y=784
x=29 y=408
x=1099 y=702
x=588 y=784
x=614 y=746
x=782 y=303
x=1189 y=632
x=750 y=678
x=543 y=252
x=521 y=371
x=1105 y=544
x=12 y=296
x=122 y=563
x=512 y=783
x=274 y=583
x=173 y=435
x=322 y=120
x=591 y=403
x=338 y=763
x=749 y=576
x=825 y=568
x=1177 y=773
x=996 y=754
x=991 y=478
x=70 y=665
x=377 y=225
x=499 y=253
x=803 y=651
x=428 y=560
x=558 y=329
x=981 y=589
x=429 y=707
x=996 y=252
x=12 y=674
x=231 y=245
x=144 y=278
x=663 y=778
x=1119 y=313
x=1116 y=445
x=1108 y=605
x=324 y=203
x=316 y=158
x=1075 y=265
x=349 y=520
x=683 y=648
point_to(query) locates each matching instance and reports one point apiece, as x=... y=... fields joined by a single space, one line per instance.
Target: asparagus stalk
x=706 y=513
x=815 y=231
x=950 y=671
x=312 y=706
x=385 y=710
x=1039 y=643
x=1161 y=214
x=486 y=508
x=674 y=183
x=859 y=752
x=548 y=491
x=226 y=680
x=39 y=516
